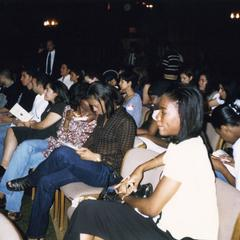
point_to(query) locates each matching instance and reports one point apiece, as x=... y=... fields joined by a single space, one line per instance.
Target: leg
x=86 y=237
x=46 y=187
x=27 y=155
x=72 y=170
x=111 y=220
x=3 y=132
x=10 y=145
x=65 y=157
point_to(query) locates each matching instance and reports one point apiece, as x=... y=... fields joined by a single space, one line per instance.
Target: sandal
x=14 y=216
x=2 y=170
x=19 y=184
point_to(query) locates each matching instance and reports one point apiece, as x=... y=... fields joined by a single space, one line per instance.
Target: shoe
x=14 y=216
x=2 y=170
x=19 y=184
x=2 y=202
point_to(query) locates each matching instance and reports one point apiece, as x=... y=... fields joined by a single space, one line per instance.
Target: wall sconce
x=50 y=23
x=235 y=15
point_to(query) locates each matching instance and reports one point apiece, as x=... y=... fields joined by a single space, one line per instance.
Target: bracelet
x=98 y=159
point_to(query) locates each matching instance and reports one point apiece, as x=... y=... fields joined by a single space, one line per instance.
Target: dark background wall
x=91 y=35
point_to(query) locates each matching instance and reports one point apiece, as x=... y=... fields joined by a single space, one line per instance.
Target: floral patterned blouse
x=77 y=134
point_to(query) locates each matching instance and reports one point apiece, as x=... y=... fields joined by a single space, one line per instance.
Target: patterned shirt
x=77 y=133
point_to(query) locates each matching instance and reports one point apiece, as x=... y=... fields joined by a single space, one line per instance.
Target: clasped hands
x=129 y=184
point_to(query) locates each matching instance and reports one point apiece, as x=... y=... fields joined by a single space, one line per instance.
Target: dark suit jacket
x=56 y=64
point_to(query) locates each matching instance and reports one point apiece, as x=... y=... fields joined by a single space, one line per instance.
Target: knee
x=45 y=184
x=62 y=151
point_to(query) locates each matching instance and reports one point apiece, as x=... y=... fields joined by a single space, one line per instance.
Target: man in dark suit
x=50 y=63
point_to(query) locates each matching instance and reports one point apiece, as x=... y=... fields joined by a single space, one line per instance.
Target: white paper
x=68 y=144
x=20 y=113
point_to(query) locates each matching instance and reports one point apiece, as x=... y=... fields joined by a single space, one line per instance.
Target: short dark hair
x=107 y=93
x=8 y=74
x=41 y=78
x=187 y=71
x=129 y=76
x=190 y=109
x=77 y=92
x=227 y=114
x=62 y=91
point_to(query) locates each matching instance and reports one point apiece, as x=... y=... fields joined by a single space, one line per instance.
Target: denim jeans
x=3 y=130
x=28 y=154
x=63 y=166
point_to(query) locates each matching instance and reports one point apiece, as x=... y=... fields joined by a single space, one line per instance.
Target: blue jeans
x=29 y=154
x=63 y=166
x=3 y=130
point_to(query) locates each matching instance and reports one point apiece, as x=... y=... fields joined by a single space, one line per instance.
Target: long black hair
x=61 y=90
x=108 y=94
x=228 y=114
x=190 y=109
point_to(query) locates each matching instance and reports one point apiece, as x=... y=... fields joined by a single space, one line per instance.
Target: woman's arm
x=51 y=118
x=146 y=98
x=219 y=166
x=4 y=110
x=130 y=184
x=153 y=205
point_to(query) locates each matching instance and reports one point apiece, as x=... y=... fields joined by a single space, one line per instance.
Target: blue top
x=134 y=108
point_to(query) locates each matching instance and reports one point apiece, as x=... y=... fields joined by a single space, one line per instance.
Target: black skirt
x=112 y=221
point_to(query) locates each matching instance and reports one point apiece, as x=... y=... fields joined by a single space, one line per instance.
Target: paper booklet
x=20 y=113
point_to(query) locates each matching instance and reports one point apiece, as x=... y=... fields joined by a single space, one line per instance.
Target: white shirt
x=192 y=211
x=66 y=80
x=52 y=60
x=236 y=157
x=39 y=105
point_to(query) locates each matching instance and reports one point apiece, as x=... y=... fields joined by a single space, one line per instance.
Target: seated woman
x=226 y=121
x=186 y=76
x=75 y=129
x=96 y=164
x=57 y=96
x=184 y=202
x=132 y=101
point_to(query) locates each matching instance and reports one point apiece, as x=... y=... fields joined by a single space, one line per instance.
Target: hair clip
x=235 y=108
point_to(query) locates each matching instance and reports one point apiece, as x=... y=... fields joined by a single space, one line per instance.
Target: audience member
x=184 y=203
x=96 y=164
x=65 y=75
x=11 y=89
x=111 y=77
x=186 y=76
x=57 y=96
x=74 y=129
x=132 y=101
x=226 y=121
x=171 y=63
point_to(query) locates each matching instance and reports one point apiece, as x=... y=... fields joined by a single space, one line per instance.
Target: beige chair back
x=145 y=114
x=228 y=208
x=137 y=156
x=213 y=137
x=8 y=230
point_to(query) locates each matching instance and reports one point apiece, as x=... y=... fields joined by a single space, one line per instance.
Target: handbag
x=109 y=193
